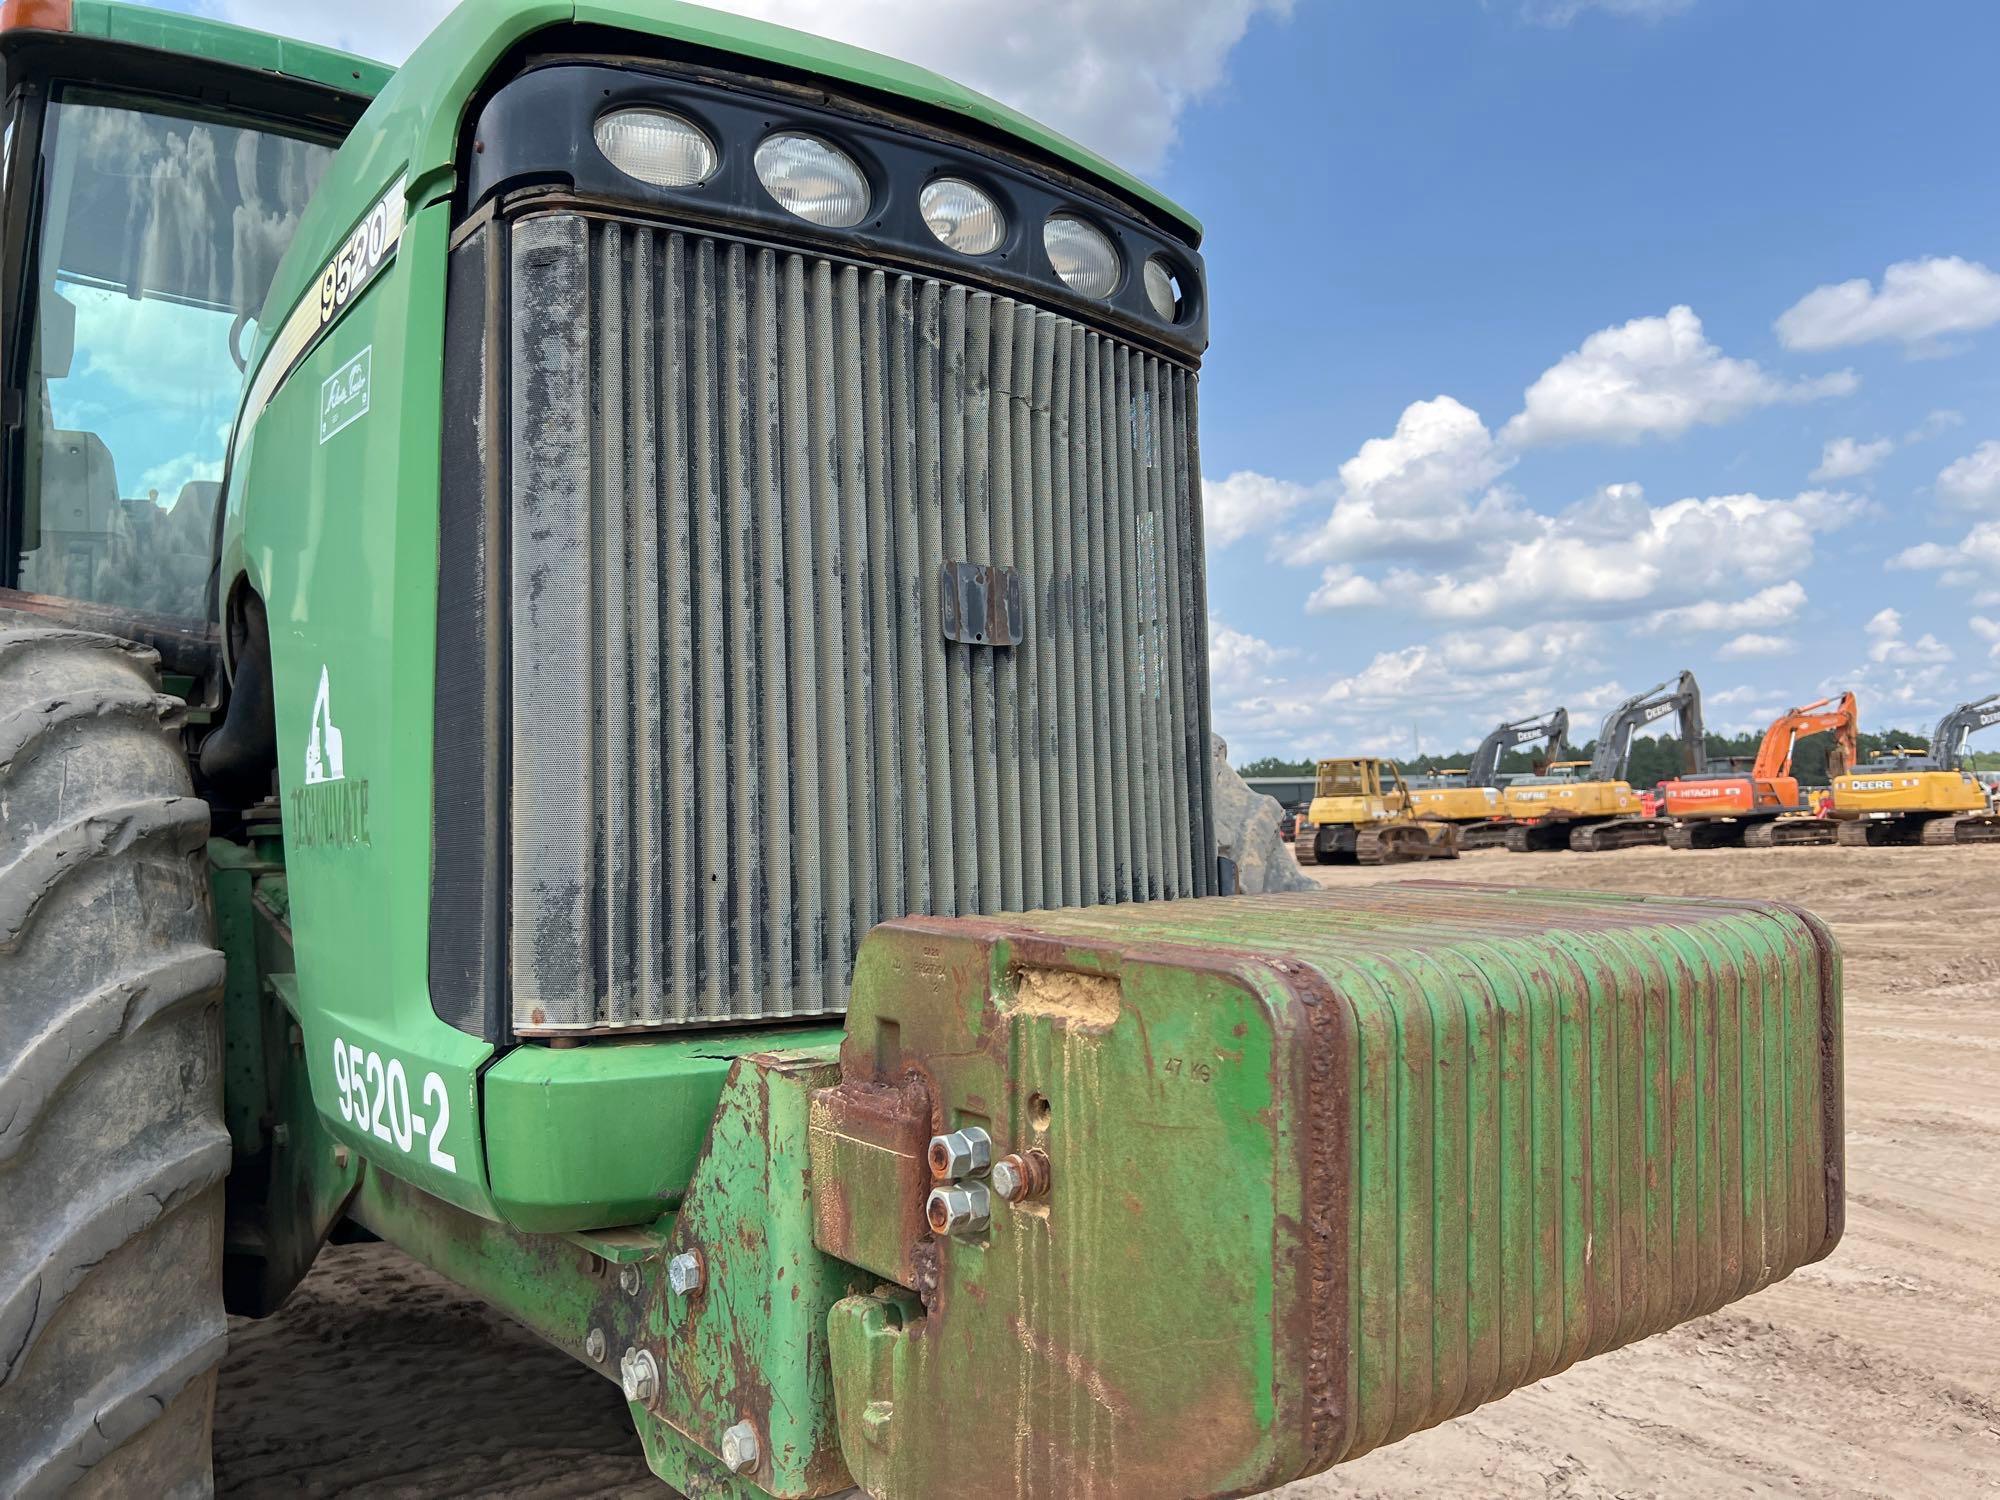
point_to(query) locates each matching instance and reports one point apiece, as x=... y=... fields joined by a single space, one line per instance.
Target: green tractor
x=602 y=676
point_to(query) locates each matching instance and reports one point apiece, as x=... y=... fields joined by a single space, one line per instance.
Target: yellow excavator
x=1588 y=805
x=1362 y=814
x=1470 y=799
x=1926 y=797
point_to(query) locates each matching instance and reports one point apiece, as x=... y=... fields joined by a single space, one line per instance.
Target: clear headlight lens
x=657 y=147
x=1082 y=256
x=962 y=217
x=1163 y=288
x=817 y=181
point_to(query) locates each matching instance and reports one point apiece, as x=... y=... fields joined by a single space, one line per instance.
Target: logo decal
x=343 y=395
x=324 y=761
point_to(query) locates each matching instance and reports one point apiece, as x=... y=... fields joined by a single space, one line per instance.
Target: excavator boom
x=1680 y=696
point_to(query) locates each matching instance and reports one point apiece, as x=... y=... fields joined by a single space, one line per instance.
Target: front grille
x=738 y=734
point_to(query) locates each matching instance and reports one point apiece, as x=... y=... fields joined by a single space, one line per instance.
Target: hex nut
x=593 y=1345
x=628 y=1280
x=684 y=1274
x=740 y=1449
x=959 y=1208
x=963 y=1153
x=639 y=1375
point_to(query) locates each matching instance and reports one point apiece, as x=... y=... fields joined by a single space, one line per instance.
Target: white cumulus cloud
x=1239 y=662
x=1848 y=458
x=1751 y=645
x=1886 y=643
x=1653 y=377
x=1424 y=489
x=1972 y=556
x=1246 y=502
x=1340 y=587
x=1683 y=553
x=1918 y=302
x=1562 y=12
x=1112 y=74
x=1776 y=605
x=1974 y=480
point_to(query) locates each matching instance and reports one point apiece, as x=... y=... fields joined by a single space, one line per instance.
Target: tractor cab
x=149 y=195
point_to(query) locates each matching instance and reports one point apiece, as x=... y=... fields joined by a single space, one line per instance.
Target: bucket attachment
x=1198 y=1198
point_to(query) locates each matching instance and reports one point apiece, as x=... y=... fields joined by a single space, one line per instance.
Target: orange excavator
x=1763 y=809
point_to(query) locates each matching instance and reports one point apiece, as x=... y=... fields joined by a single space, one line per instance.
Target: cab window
x=159 y=234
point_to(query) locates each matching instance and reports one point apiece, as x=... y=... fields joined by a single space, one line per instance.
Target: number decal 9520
x=375 y=1097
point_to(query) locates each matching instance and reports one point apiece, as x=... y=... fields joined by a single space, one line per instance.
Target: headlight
x=817 y=181
x=962 y=217
x=1163 y=288
x=657 y=147
x=1082 y=256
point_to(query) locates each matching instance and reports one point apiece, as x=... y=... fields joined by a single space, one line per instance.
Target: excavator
x=1922 y=798
x=1589 y=806
x=1473 y=802
x=1761 y=808
x=1362 y=814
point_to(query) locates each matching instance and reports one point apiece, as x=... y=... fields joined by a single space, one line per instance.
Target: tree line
x=1654 y=758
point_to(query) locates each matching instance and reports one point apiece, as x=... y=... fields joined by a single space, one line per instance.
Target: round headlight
x=1163 y=288
x=813 y=179
x=1082 y=256
x=962 y=217
x=657 y=147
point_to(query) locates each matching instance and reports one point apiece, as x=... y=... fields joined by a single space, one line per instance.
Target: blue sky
x=1558 y=344
x=1488 y=192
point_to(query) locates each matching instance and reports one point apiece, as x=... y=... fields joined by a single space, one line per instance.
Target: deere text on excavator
x=1927 y=798
x=1599 y=810
x=1763 y=808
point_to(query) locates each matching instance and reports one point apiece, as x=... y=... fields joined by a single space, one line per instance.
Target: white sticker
x=324 y=761
x=343 y=395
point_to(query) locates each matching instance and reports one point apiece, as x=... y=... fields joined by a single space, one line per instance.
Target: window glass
x=159 y=237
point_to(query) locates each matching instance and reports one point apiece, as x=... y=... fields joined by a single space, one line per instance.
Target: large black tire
x=112 y=1145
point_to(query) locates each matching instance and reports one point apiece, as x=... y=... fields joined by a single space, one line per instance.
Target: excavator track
x=1537 y=838
x=1619 y=833
x=1963 y=828
x=1484 y=835
x=1790 y=833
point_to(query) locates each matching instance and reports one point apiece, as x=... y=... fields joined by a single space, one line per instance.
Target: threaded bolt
x=593 y=1345
x=684 y=1274
x=628 y=1280
x=639 y=1375
x=740 y=1449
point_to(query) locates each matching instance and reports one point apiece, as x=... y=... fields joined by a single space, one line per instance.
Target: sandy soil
x=1876 y=1372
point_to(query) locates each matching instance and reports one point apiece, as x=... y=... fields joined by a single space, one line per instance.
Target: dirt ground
x=1876 y=1372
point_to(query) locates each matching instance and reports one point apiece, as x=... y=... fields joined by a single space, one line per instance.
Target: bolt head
x=639 y=1375
x=628 y=1280
x=959 y=1208
x=684 y=1274
x=740 y=1450
x=963 y=1153
x=1010 y=1184
x=593 y=1345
